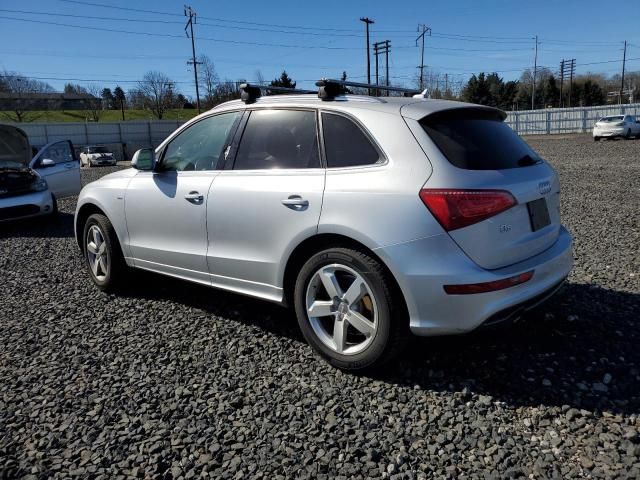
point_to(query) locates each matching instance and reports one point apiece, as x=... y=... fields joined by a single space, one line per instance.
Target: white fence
x=123 y=137
x=564 y=120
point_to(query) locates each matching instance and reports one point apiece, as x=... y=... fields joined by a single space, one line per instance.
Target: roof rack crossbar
x=330 y=88
x=249 y=92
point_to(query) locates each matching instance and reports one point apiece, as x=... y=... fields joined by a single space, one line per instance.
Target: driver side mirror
x=46 y=162
x=144 y=159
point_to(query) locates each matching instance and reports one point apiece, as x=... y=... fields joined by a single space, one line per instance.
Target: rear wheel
x=596 y=139
x=102 y=253
x=347 y=309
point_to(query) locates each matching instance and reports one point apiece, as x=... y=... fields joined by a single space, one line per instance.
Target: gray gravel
x=175 y=380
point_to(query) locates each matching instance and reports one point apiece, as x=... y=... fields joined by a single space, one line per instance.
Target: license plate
x=538 y=214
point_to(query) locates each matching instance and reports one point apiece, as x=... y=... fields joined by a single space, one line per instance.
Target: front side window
x=276 y=139
x=201 y=145
x=345 y=144
x=59 y=152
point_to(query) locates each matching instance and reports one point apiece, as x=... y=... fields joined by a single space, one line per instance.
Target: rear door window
x=476 y=139
x=345 y=144
x=279 y=139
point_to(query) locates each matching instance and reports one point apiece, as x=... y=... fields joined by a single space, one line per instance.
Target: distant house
x=48 y=101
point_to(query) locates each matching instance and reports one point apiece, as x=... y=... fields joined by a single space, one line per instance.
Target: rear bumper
x=25 y=206
x=423 y=266
x=609 y=132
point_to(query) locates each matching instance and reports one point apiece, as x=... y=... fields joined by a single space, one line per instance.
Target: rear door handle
x=194 y=197
x=295 y=202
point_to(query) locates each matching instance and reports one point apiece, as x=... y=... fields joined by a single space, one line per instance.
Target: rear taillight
x=459 y=208
x=471 y=288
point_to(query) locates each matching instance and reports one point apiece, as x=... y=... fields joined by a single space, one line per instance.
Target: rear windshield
x=476 y=139
x=618 y=118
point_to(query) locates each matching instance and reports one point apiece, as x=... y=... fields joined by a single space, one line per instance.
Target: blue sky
x=308 y=39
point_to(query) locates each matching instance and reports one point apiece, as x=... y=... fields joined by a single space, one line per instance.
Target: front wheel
x=347 y=309
x=102 y=253
x=628 y=134
x=596 y=139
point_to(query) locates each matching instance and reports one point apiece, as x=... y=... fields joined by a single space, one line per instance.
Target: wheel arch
x=84 y=212
x=323 y=241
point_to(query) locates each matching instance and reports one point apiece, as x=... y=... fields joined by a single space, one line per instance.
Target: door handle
x=194 y=197
x=295 y=202
x=69 y=166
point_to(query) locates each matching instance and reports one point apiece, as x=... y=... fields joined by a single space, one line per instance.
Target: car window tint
x=59 y=152
x=279 y=139
x=346 y=145
x=476 y=139
x=200 y=146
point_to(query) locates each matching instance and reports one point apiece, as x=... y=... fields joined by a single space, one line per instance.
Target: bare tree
x=259 y=77
x=208 y=80
x=94 y=103
x=157 y=89
x=23 y=89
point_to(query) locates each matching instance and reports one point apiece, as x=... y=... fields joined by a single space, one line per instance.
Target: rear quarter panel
x=379 y=205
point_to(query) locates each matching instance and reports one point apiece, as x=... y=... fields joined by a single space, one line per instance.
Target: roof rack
x=249 y=92
x=329 y=88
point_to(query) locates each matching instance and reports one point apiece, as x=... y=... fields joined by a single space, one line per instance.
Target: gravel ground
x=175 y=380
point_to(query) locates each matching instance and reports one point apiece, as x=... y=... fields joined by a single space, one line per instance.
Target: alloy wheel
x=97 y=253
x=342 y=309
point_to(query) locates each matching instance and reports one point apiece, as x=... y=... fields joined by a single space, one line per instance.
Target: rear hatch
x=504 y=196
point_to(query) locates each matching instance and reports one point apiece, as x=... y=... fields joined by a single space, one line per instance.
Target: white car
x=625 y=126
x=94 y=155
x=30 y=187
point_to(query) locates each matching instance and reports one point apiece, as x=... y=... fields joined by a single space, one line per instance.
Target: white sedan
x=30 y=187
x=625 y=126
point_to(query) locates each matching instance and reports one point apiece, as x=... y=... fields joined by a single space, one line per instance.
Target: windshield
x=617 y=118
x=476 y=139
x=98 y=150
x=15 y=151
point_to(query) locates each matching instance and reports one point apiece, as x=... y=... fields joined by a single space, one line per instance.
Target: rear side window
x=476 y=139
x=279 y=139
x=345 y=143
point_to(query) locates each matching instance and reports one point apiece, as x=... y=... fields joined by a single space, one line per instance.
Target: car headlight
x=39 y=185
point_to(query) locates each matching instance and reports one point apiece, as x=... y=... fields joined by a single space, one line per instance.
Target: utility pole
x=624 y=61
x=189 y=12
x=378 y=49
x=367 y=21
x=386 y=60
x=423 y=29
x=567 y=68
x=535 y=71
x=572 y=70
x=375 y=52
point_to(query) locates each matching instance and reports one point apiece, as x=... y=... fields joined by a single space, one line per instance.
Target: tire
x=628 y=134
x=54 y=208
x=378 y=302
x=109 y=274
x=596 y=139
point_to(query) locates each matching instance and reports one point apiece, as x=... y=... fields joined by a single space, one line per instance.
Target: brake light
x=460 y=208
x=469 y=288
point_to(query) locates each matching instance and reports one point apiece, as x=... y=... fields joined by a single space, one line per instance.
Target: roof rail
x=249 y=92
x=329 y=88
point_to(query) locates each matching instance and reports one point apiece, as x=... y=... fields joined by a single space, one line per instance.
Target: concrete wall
x=119 y=136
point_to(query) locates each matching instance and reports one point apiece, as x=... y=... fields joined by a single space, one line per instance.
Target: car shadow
x=580 y=350
x=59 y=225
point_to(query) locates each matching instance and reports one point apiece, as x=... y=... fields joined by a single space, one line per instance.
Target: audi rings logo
x=544 y=187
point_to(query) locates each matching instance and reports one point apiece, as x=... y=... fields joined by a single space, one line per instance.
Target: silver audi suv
x=372 y=217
